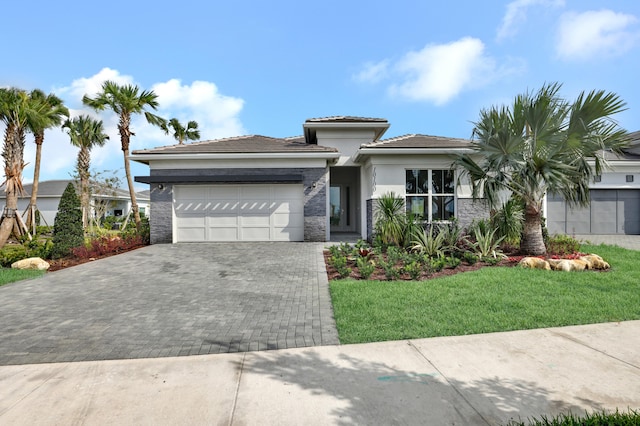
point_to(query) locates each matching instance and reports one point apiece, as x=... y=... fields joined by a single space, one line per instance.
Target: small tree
x=67 y=229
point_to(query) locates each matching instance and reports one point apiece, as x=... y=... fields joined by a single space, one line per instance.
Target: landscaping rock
x=31 y=263
x=534 y=263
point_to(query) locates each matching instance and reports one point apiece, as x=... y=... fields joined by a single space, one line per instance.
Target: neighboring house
x=615 y=200
x=50 y=192
x=308 y=188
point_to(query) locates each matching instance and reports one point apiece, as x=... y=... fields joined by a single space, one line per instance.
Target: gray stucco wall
x=315 y=196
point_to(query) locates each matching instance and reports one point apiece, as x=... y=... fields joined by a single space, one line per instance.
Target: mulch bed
x=68 y=262
x=379 y=275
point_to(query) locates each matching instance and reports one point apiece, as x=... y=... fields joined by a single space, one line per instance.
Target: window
x=430 y=194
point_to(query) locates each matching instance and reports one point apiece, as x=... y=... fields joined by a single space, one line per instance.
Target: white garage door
x=238 y=213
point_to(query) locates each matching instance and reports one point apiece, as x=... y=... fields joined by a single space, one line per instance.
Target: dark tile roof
x=240 y=145
x=346 y=119
x=633 y=150
x=420 y=141
x=55 y=188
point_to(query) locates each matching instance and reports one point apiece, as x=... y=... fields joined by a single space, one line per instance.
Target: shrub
x=508 y=221
x=452 y=235
x=452 y=261
x=414 y=269
x=67 y=228
x=144 y=233
x=562 y=245
x=106 y=245
x=365 y=267
x=390 y=219
x=340 y=263
x=470 y=258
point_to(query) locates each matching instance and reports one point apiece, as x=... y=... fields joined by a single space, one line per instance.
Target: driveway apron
x=171 y=300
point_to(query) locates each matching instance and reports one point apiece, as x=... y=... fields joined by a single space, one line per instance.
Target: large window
x=430 y=194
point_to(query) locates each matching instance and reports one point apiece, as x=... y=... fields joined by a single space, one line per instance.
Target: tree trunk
x=31 y=209
x=532 y=242
x=132 y=193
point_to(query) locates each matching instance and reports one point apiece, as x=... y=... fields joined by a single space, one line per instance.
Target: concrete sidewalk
x=467 y=380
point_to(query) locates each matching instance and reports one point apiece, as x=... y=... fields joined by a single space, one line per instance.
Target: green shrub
x=144 y=233
x=414 y=269
x=486 y=244
x=365 y=267
x=67 y=228
x=340 y=263
x=12 y=253
x=562 y=244
x=508 y=221
x=452 y=261
x=470 y=258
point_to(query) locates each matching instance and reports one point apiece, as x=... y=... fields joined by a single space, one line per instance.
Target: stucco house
x=50 y=192
x=321 y=184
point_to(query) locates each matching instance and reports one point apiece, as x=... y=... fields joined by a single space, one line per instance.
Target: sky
x=263 y=68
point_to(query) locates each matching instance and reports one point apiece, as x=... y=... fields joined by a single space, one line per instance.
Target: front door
x=340 y=218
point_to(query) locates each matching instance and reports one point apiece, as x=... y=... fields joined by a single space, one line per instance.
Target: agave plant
x=486 y=244
x=429 y=243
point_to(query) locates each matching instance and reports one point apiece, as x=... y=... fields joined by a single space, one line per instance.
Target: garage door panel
x=611 y=211
x=222 y=234
x=239 y=212
x=191 y=234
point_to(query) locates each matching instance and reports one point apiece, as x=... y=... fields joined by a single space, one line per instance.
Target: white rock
x=31 y=263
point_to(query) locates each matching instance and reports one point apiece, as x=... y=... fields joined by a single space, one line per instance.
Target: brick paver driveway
x=171 y=300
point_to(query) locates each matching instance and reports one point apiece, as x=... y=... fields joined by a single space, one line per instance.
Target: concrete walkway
x=170 y=300
x=468 y=380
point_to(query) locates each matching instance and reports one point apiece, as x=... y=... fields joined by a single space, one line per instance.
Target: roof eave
x=146 y=158
x=363 y=152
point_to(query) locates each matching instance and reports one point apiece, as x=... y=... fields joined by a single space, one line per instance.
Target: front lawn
x=8 y=275
x=488 y=300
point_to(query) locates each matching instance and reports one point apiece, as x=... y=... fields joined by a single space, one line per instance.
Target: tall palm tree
x=125 y=101
x=85 y=133
x=180 y=132
x=542 y=144
x=18 y=114
x=51 y=110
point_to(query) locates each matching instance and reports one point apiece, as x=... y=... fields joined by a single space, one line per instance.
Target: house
x=324 y=183
x=117 y=202
x=614 y=199
x=306 y=188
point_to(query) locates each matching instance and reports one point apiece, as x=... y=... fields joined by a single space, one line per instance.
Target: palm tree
x=542 y=144
x=125 y=101
x=17 y=113
x=51 y=111
x=180 y=132
x=85 y=133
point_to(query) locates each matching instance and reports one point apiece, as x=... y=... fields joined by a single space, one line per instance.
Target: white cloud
x=594 y=34
x=439 y=72
x=516 y=15
x=217 y=116
x=373 y=72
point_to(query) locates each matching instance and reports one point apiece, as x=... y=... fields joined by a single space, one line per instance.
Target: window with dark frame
x=430 y=194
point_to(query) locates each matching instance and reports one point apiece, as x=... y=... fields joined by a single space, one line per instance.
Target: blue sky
x=253 y=67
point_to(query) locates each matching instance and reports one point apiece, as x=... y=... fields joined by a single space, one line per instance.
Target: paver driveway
x=171 y=300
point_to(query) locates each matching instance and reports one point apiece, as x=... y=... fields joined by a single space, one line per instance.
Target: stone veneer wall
x=315 y=196
x=468 y=210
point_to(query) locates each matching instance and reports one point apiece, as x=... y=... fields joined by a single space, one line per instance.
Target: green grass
x=8 y=275
x=630 y=418
x=488 y=300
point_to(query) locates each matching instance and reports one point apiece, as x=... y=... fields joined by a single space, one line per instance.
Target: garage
x=246 y=212
x=611 y=211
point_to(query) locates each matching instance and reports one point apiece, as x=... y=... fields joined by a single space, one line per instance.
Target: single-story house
x=615 y=199
x=118 y=201
x=310 y=187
